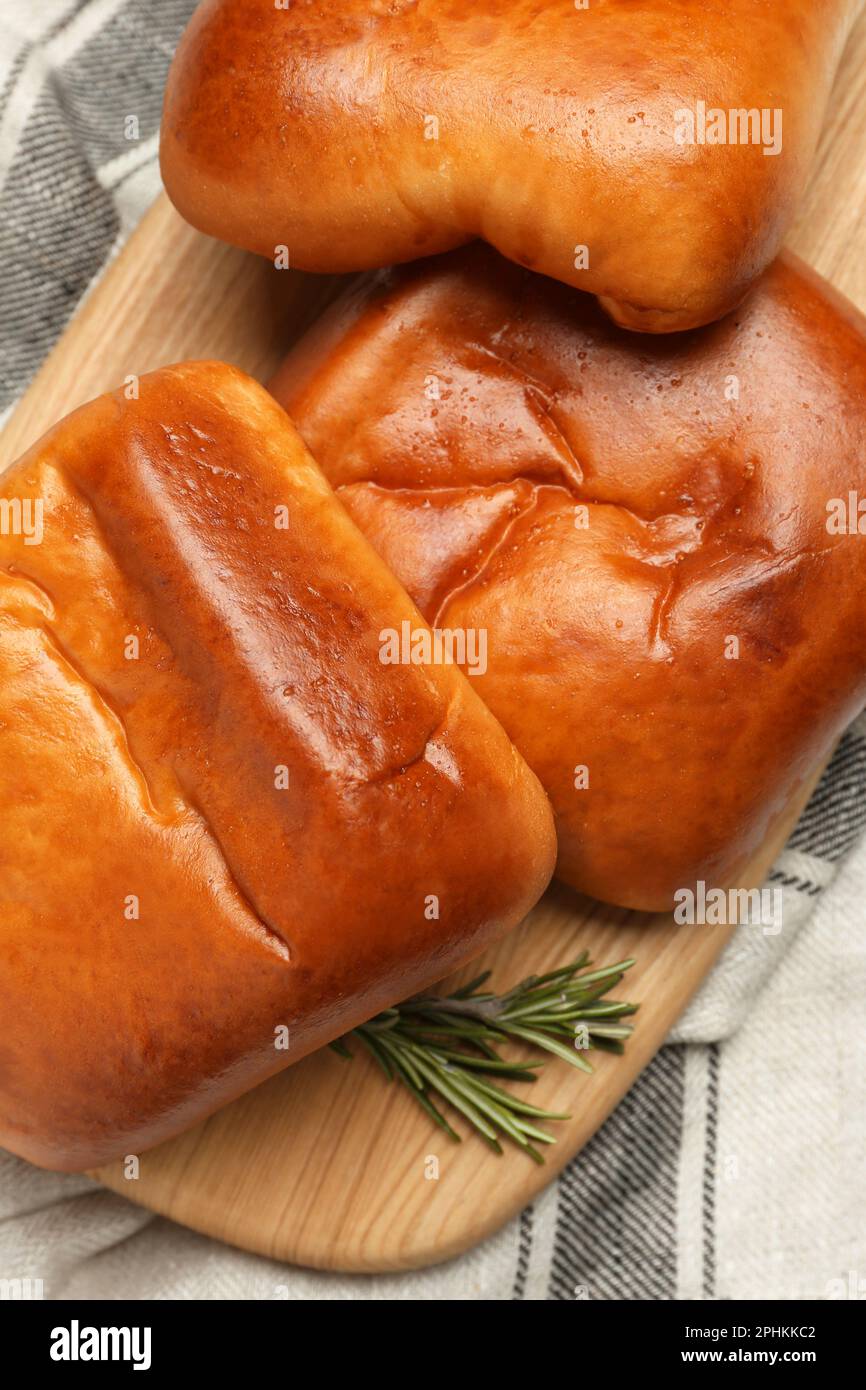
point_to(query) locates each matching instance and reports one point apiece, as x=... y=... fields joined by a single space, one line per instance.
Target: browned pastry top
x=578 y=141
x=641 y=526
x=222 y=814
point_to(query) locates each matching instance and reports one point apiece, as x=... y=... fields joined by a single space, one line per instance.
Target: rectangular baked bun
x=230 y=832
x=644 y=527
x=582 y=141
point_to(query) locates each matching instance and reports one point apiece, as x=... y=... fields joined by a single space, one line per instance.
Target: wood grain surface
x=325 y=1164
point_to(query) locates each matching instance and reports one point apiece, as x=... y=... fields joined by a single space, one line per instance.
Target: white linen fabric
x=736 y=1167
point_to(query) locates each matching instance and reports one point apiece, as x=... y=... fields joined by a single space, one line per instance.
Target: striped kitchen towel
x=736 y=1167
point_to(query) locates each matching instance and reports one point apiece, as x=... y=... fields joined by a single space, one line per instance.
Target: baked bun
x=230 y=832
x=579 y=141
x=649 y=530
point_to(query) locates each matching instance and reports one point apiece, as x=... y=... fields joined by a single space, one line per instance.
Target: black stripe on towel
x=616 y=1225
x=711 y=1171
x=523 y=1254
x=836 y=814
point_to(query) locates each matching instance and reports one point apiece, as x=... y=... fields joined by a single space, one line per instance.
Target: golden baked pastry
x=230 y=832
x=581 y=141
x=657 y=535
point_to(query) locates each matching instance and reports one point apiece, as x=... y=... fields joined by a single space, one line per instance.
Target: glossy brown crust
x=308 y=127
x=156 y=776
x=612 y=514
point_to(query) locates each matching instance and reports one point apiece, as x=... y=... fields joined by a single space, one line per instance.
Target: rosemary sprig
x=449 y=1046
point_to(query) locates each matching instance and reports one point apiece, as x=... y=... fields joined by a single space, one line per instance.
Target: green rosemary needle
x=448 y=1047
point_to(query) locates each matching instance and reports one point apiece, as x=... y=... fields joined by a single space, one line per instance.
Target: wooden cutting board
x=325 y=1165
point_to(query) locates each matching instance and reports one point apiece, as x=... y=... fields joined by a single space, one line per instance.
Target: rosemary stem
x=449 y=1047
